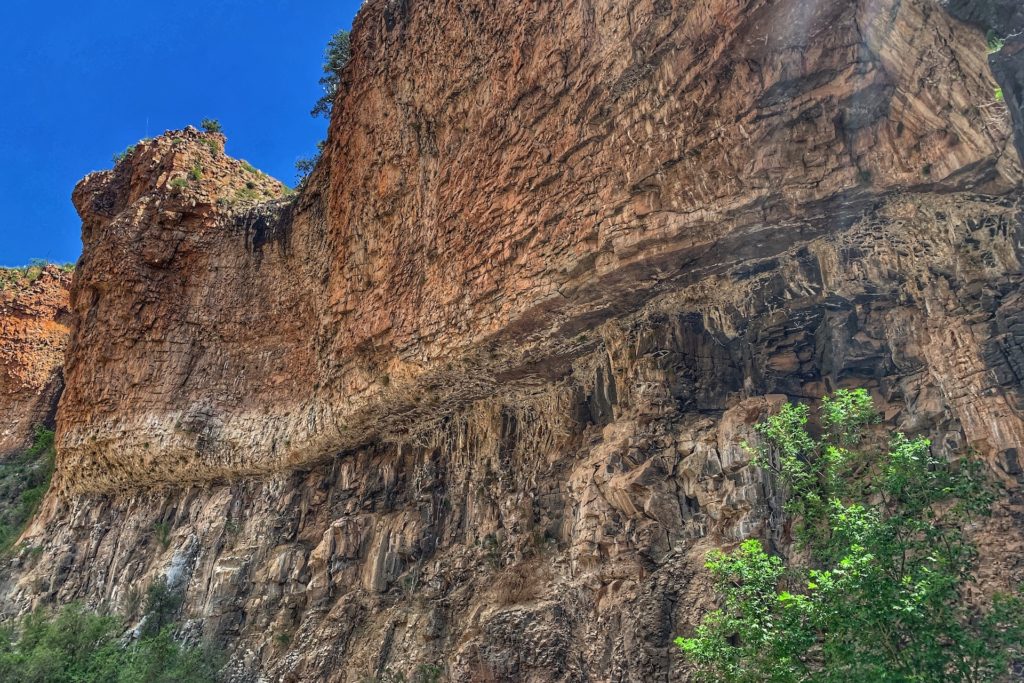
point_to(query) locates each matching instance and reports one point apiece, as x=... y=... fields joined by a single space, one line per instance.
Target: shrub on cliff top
x=882 y=593
x=118 y=158
x=211 y=126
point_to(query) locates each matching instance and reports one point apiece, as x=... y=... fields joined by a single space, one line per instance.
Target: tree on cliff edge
x=886 y=589
x=336 y=56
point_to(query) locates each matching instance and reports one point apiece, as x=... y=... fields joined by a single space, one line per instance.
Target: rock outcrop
x=34 y=328
x=474 y=398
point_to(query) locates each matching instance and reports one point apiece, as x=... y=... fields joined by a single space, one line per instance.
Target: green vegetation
x=26 y=275
x=995 y=42
x=213 y=145
x=196 y=173
x=179 y=183
x=305 y=165
x=998 y=94
x=247 y=193
x=128 y=151
x=24 y=480
x=336 y=56
x=249 y=167
x=211 y=126
x=77 y=645
x=881 y=594
x=162 y=530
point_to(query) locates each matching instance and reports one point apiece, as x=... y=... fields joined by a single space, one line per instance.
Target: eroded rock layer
x=477 y=208
x=34 y=330
x=475 y=397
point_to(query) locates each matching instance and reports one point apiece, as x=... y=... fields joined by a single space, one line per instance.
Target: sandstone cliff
x=34 y=329
x=474 y=396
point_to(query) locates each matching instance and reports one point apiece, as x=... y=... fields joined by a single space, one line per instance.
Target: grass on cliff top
x=24 y=480
x=26 y=275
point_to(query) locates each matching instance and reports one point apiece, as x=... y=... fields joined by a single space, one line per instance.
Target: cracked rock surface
x=474 y=397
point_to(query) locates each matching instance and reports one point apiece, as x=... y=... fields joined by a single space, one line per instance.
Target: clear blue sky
x=82 y=80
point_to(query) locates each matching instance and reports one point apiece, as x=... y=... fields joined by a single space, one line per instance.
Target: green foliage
x=998 y=94
x=179 y=183
x=162 y=531
x=336 y=56
x=128 y=151
x=213 y=145
x=77 y=645
x=247 y=193
x=24 y=480
x=196 y=173
x=305 y=165
x=249 y=167
x=880 y=595
x=27 y=275
x=995 y=42
x=162 y=605
x=211 y=126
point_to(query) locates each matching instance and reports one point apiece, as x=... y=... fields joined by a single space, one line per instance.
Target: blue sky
x=83 y=80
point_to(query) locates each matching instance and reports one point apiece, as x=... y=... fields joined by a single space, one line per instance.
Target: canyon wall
x=35 y=320
x=474 y=397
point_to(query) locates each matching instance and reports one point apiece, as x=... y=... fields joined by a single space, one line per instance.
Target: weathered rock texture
x=475 y=396
x=34 y=330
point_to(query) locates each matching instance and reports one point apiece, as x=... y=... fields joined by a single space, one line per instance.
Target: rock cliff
x=34 y=327
x=474 y=397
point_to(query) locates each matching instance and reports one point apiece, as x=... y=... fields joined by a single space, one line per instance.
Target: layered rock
x=34 y=330
x=574 y=161
x=475 y=397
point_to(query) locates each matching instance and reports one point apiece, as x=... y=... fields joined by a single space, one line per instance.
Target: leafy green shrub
x=995 y=42
x=305 y=165
x=128 y=151
x=162 y=605
x=211 y=126
x=179 y=183
x=196 y=173
x=77 y=645
x=880 y=596
x=336 y=56
x=162 y=531
x=24 y=481
x=213 y=145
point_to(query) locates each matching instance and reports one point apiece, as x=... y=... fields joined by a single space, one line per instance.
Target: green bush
x=336 y=56
x=880 y=593
x=995 y=42
x=211 y=126
x=179 y=183
x=128 y=151
x=24 y=481
x=305 y=165
x=77 y=645
x=196 y=173
x=213 y=146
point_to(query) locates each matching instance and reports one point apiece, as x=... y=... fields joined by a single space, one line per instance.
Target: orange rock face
x=475 y=397
x=476 y=209
x=34 y=331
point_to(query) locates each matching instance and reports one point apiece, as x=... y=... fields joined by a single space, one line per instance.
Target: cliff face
x=475 y=396
x=34 y=330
